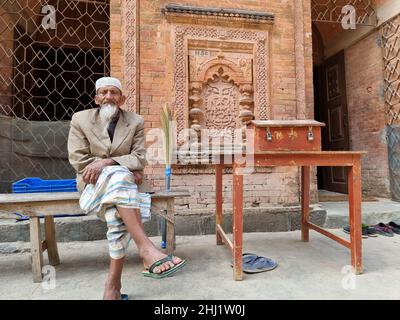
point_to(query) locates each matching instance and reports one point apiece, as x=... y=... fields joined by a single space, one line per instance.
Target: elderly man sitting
x=106 y=148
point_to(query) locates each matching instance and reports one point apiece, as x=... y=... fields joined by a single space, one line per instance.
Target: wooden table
x=303 y=159
x=48 y=204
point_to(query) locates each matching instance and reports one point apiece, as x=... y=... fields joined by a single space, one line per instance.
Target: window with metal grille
x=48 y=69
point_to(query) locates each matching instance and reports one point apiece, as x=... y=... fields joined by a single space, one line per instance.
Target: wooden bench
x=49 y=204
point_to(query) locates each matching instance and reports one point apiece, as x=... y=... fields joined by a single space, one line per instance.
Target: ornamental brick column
x=300 y=60
x=124 y=23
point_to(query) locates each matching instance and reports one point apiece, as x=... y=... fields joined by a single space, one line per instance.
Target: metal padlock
x=310 y=135
x=269 y=135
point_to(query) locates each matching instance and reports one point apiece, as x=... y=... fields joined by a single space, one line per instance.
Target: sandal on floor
x=167 y=273
x=253 y=263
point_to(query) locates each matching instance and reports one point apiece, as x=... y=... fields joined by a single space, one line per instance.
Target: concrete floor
x=310 y=270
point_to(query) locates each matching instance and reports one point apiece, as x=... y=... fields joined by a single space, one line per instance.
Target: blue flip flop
x=124 y=297
x=252 y=263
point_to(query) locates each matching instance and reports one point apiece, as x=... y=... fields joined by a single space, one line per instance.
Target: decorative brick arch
x=224 y=76
x=260 y=42
x=230 y=71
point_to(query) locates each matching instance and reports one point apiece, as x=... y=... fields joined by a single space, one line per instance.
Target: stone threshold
x=328 y=215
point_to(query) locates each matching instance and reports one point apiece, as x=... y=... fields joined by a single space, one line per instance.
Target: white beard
x=108 y=112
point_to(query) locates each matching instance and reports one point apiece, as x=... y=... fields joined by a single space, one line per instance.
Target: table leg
x=36 y=249
x=305 y=202
x=218 y=201
x=237 y=187
x=50 y=233
x=354 y=181
x=170 y=227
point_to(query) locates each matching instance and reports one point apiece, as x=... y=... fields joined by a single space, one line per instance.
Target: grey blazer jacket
x=89 y=141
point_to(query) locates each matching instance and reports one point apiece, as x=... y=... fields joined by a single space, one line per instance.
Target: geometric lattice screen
x=391 y=59
x=393 y=138
x=51 y=53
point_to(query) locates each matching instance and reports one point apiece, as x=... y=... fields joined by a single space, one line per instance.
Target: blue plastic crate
x=38 y=185
x=29 y=185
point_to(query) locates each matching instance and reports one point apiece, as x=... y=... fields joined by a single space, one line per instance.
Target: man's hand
x=93 y=170
x=138 y=177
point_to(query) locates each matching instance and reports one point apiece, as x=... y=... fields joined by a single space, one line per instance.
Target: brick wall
x=116 y=53
x=365 y=97
x=277 y=186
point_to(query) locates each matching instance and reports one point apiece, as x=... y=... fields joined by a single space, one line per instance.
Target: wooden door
x=335 y=136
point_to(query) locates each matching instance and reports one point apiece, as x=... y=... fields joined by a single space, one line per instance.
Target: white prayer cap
x=108 y=81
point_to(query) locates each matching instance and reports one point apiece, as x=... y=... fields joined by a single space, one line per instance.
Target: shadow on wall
x=33 y=149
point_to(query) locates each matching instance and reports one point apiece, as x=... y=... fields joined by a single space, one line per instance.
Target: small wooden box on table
x=49 y=204
x=286 y=135
x=289 y=143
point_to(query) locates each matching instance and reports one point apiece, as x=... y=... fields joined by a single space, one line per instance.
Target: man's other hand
x=93 y=170
x=138 y=177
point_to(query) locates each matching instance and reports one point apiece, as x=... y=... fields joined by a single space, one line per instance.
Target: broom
x=167 y=118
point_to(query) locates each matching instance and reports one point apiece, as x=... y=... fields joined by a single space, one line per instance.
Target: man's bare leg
x=147 y=250
x=112 y=290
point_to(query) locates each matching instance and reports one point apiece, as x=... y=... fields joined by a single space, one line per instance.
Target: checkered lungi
x=115 y=187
